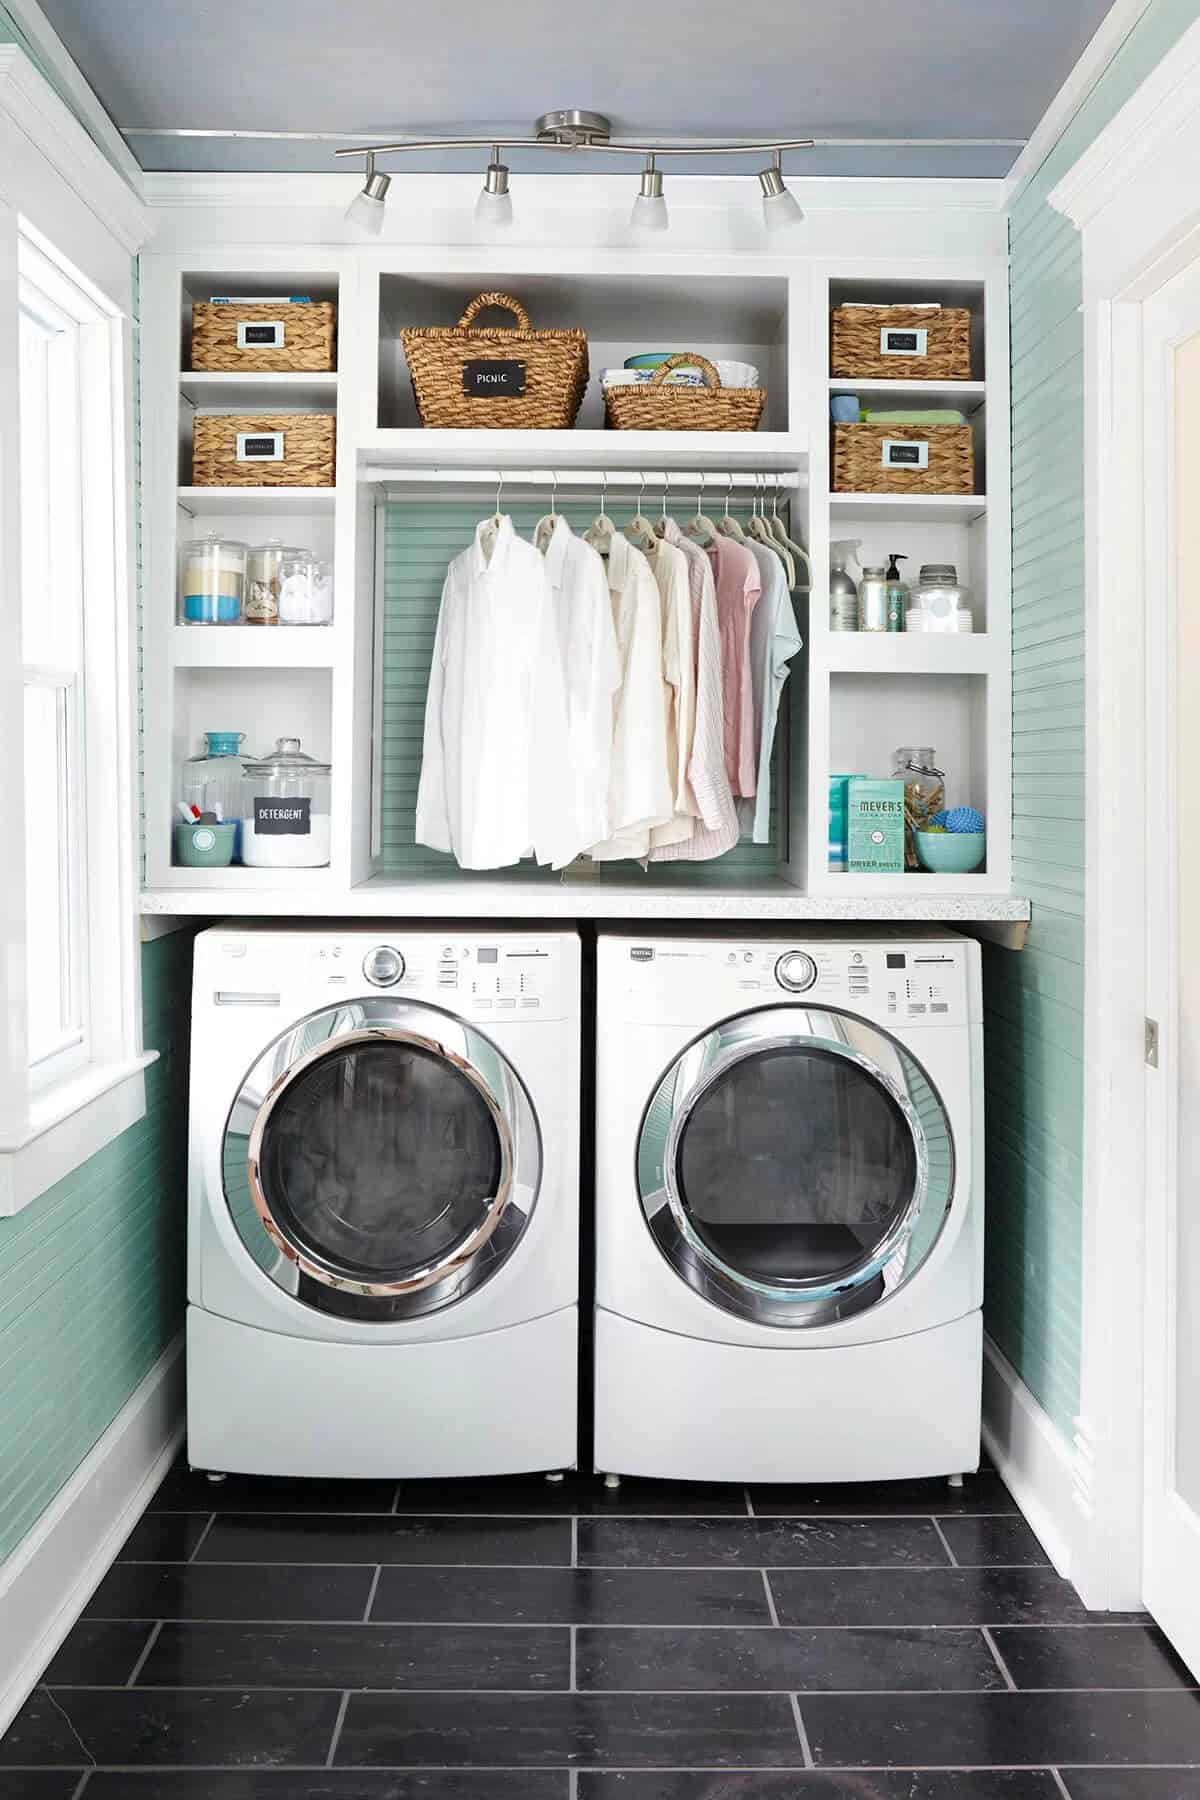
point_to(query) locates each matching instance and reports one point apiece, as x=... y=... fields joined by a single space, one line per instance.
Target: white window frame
x=71 y=224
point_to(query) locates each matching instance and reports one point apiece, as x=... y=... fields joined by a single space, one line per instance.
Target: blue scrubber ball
x=960 y=818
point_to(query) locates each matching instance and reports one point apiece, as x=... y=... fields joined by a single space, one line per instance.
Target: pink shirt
x=738 y=584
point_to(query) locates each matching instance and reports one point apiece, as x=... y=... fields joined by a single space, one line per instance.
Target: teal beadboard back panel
x=421 y=538
x=1034 y=999
x=92 y=1274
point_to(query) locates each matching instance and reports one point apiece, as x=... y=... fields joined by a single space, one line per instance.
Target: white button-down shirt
x=774 y=640
x=493 y=772
x=640 y=794
x=670 y=567
x=587 y=643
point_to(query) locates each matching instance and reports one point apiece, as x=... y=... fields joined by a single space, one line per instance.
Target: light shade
x=781 y=209
x=650 y=209
x=365 y=211
x=494 y=207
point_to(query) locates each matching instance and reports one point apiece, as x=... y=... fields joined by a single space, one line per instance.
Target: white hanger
x=797 y=551
x=491 y=527
x=728 y=526
x=660 y=524
x=762 y=534
x=639 y=530
x=602 y=530
x=543 y=531
x=701 y=526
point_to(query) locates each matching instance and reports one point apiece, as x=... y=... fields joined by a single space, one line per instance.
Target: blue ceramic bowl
x=950 y=852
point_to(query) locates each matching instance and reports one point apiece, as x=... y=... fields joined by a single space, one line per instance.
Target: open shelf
x=276 y=391
x=652 y=450
x=214 y=502
x=907 y=653
x=953 y=509
x=968 y=396
x=253 y=646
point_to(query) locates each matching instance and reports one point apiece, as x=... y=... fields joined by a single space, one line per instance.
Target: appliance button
x=383 y=966
x=795 y=971
x=748 y=956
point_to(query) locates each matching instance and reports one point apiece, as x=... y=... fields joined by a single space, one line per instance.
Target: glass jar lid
x=939 y=575
x=212 y=541
x=222 y=743
x=286 y=759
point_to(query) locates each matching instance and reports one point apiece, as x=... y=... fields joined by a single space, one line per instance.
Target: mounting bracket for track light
x=571 y=127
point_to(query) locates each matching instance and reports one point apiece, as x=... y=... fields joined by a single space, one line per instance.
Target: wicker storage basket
x=538 y=384
x=263 y=450
x=863 y=463
x=304 y=337
x=657 y=407
x=927 y=345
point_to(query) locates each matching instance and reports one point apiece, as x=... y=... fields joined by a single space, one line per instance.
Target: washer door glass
x=796 y=1166
x=390 y=1159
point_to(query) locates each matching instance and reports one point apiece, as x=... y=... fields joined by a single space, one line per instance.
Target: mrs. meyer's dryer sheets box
x=875 y=826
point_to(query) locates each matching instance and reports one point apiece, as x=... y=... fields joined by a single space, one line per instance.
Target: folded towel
x=912 y=415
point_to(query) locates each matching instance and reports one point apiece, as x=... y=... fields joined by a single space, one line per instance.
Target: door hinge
x=1152 y=1043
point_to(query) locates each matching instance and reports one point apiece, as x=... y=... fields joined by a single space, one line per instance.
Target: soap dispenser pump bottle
x=843 y=589
x=897 y=592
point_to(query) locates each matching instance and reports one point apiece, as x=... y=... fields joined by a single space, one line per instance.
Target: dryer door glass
x=381 y=1160
x=796 y=1165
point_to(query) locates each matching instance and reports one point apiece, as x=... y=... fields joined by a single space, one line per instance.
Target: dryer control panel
x=900 y=982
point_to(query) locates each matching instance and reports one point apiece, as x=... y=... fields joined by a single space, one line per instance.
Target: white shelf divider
x=214 y=502
x=240 y=390
x=254 y=646
x=944 y=509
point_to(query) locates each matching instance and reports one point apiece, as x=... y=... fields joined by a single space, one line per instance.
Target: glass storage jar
x=939 y=601
x=212 y=782
x=212 y=581
x=262 y=580
x=305 y=590
x=285 y=809
x=924 y=793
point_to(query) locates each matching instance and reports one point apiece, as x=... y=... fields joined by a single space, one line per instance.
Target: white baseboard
x=1033 y=1456
x=53 y=1572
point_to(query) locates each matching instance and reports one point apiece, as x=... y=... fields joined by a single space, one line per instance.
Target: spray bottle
x=843 y=590
x=897 y=592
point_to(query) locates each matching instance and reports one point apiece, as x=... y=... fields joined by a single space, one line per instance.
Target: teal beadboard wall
x=92 y=1274
x=420 y=539
x=1034 y=999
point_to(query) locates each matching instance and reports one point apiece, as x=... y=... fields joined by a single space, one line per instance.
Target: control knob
x=795 y=971
x=383 y=966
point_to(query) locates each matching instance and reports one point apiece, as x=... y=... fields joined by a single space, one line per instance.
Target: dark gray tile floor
x=510 y=1640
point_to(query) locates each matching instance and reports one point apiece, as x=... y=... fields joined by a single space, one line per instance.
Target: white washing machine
x=789 y=1205
x=383 y=1201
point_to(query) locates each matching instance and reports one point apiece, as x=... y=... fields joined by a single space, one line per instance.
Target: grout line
x=147 y=1647
x=337 y=1727
x=749 y=1503
x=572 y=1784
x=574 y=1542
x=83 y=1781
x=394 y=1509
x=770 y=1599
x=992 y=1645
x=371 y=1593
x=1060 y=1784
x=209 y=1523
x=450 y=1623
x=954 y=1562
x=805 y=1749
x=573 y=1682
x=806 y=1515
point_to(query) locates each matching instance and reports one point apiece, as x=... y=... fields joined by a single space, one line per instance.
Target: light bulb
x=365 y=211
x=781 y=209
x=494 y=207
x=650 y=209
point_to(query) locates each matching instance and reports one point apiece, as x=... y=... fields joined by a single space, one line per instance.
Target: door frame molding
x=1133 y=198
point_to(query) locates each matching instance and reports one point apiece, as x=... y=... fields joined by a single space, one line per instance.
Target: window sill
x=69 y=1123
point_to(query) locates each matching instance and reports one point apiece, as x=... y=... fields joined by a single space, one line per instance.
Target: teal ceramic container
x=950 y=852
x=205 y=846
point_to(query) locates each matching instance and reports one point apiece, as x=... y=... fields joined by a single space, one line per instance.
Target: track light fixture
x=494 y=207
x=650 y=209
x=781 y=209
x=365 y=211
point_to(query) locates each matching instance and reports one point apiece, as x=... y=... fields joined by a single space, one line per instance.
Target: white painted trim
x=1136 y=136
x=78 y=1117
x=30 y=104
x=53 y=1572
x=36 y=27
x=1093 y=63
x=1033 y=1456
x=1133 y=194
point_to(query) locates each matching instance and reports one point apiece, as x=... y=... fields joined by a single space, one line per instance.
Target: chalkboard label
x=252 y=333
x=282 y=818
x=260 y=446
x=895 y=342
x=493 y=380
x=896 y=454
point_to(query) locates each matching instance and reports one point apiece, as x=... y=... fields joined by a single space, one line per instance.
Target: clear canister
x=924 y=793
x=212 y=581
x=939 y=601
x=872 y=600
x=212 y=782
x=263 y=566
x=305 y=590
x=285 y=809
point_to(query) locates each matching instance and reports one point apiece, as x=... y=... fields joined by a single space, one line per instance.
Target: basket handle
x=505 y=300
x=687 y=359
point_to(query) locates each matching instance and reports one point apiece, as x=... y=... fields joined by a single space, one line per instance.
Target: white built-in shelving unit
x=852 y=698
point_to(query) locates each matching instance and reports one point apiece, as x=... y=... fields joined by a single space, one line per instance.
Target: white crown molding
x=32 y=22
x=1098 y=53
x=1165 y=103
x=30 y=105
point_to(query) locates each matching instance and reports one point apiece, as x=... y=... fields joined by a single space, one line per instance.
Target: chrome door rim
x=388 y=1019
x=822 y=1030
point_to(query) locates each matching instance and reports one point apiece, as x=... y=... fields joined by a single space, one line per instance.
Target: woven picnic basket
x=553 y=373
x=658 y=407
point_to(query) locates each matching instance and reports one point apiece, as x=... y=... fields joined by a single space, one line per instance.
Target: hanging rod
x=717 y=479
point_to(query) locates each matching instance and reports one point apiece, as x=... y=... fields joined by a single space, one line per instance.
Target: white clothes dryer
x=789 y=1205
x=383 y=1200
